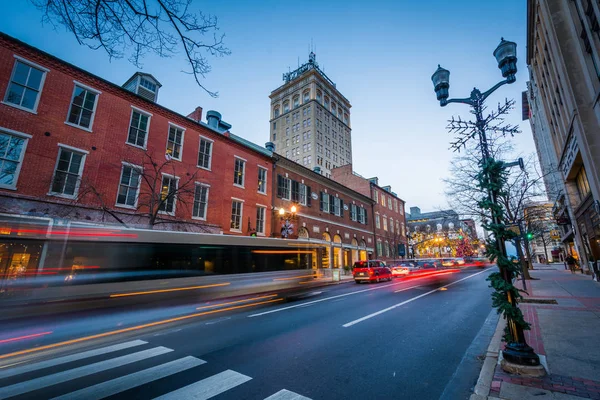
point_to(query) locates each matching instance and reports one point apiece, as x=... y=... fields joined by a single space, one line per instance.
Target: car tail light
x=370 y=271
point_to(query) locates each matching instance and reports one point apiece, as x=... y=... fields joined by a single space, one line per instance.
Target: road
x=406 y=339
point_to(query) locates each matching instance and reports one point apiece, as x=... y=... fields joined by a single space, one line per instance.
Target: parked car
x=371 y=271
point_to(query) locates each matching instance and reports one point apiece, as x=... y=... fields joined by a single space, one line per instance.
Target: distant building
x=389 y=220
x=310 y=119
x=545 y=245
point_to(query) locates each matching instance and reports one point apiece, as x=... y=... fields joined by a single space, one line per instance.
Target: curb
x=484 y=382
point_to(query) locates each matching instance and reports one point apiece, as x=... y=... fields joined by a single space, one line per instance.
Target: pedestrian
x=571 y=262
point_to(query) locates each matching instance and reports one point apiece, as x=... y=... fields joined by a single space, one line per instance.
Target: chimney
x=414 y=211
x=213 y=118
x=270 y=146
x=317 y=170
x=196 y=115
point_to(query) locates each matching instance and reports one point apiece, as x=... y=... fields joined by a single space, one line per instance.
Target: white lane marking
x=286 y=395
x=408 y=288
x=207 y=388
x=407 y=301
x=60 y=377
x=118 y=385
x=325 y=299
x=74 y=357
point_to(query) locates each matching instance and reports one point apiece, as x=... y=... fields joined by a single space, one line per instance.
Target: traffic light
x=460 y=237
x=529 y=235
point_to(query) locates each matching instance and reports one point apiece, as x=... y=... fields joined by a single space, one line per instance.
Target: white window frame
x=149 y=115
x=244 y=161
x=389 y=202
x=287 y=195
x=303 y=197
x=20 y=135
x=98 y=93
x=182 y=139
x=337 y=208
x=264 y=208
x=260 y=167
x=80 y=173
x=210 y=154
x=241 y=215
x=376 y=196
x=137 y=193
x=171 y=213
x=42 y=81
x=377 y=221
x=207 y=186
x=385 y=223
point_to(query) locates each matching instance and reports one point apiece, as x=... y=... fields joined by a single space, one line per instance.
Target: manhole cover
x=539 y=301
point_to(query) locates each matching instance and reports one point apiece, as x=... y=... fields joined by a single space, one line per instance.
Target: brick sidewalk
x=563 y=334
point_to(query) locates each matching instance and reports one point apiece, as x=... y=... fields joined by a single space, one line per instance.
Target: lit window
x=25 y=86
x=205 y=153
x=200 y=201
x=129 y=186
x=168 y=194
x=236 y=215
x=262 y=180
x=67 y=174
x=12 y=150
x=175 y=142
x=83 y=107
x=238 y=172
x=138 y=129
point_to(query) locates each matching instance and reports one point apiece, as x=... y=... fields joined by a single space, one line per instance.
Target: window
x=324 y=202
x=25 y=85
x=346 y=119
x=327 y=103
x=296 y=101
x=353 y=212
x=129 y=186
x=284 y=187
x=262 y=180
x=362 y=215
x=306 y=96
x=200 y=201
x=304 y=194
x=337 y=206
x=138 y=129
x=395 y=205
x=391 y=225
x=390 y=203
x=274 y=125
x=67 y=173
x=274 y=136
x=287 y=142
x=168 y=194
x=148 y=85
x=319 y=96
x=385 y=223
x=286 y=106
x=583 y=185
x=205 y=153
x=376 y=196
x=276 y=112
x=287 y=131
x=175 y=142
x=397 y=227
x=83 y=106
x=383 y=200
x=260 y=220
x=12 y=151
x=238 y=172
x=387 y=249
x=379 y=248
x=308 y=121
x=377 y=221
x=236 y=215
x=309 y=159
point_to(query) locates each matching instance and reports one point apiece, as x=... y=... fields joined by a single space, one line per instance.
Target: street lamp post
x=516 y=351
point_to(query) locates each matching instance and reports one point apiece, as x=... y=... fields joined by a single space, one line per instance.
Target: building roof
x=143 y=74
x=432 y=215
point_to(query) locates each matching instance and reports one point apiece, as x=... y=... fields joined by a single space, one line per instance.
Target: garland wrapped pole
x=518 y=355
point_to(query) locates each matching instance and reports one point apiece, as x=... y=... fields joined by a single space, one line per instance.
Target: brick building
x=74 y=146
x=389 y=221
x=312 y=207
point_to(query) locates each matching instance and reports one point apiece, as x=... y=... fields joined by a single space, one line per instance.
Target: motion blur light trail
x=169 y=290
x=130 y=329
x=33 y=335
x=236 y=302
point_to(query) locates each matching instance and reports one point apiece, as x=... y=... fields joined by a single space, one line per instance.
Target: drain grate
x=539 y=301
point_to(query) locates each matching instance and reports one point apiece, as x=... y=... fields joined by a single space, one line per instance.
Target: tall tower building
x=310 y=119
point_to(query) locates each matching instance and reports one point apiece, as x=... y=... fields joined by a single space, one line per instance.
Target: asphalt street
x=406 y=339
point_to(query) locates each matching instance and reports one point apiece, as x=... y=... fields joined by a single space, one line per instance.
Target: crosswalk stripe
x=130 y=381
x=286 y=395
x=75 y=373
x=63 y=360
x=207 y=388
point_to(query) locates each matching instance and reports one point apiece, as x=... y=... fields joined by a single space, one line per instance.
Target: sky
x=380 y=54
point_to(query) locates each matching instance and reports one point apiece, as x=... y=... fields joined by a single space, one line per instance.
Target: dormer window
x=144 y=85
x=148 y=85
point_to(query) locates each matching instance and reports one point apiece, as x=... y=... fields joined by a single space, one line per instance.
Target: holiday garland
x=492 y=179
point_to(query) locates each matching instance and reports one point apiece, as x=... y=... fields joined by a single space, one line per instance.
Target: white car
x=400 y=271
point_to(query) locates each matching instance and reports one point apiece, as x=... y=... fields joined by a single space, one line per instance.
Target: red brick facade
x=344 y=237
x=389 y=220
x=104 y=149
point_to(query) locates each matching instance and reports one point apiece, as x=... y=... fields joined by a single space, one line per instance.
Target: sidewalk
x=564 y=312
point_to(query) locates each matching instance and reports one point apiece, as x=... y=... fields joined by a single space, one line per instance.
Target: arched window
x=286 y=106
x=326 y=237
x=339 y=113
x=319 y=96
x=306 y=96
x=303 y=233
x=296 y=101
x=450 y=226
x=337 y=239
x=428 y=228
x=363 y=244
x=276 y=111
x=326 y=103
x=439 y=227
x=346 y=119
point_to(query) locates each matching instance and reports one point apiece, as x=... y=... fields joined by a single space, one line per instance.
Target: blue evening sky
x=381 y=55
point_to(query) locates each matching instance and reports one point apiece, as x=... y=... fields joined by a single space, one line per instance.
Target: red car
x=371 y=271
